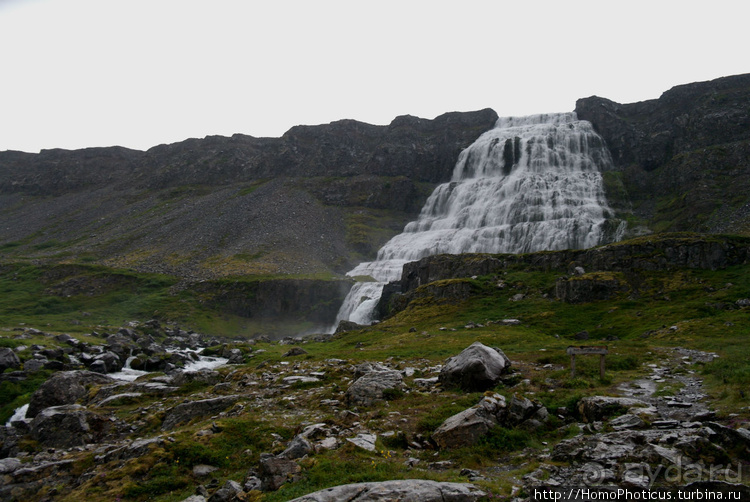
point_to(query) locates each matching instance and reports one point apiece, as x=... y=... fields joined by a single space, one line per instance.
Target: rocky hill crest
x=681 y=160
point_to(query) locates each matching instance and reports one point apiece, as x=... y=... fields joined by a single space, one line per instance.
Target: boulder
x=404 y=490
x=235 y=356
x=65 y=387
x=185 y=412
x=67 y=426
x=464 y=428
x=34 y=365
x=275 y=471
x=98 y=366
x=345 y=326
x=370 y=387
x=195 y=498
x=204 y=376
x=9 y=465
x=9 y=437
x=298 y=448
x=467 y=427
x=476 y=368
x=8 y=359
x=596 y=408
x=364 y=440
x=227 y=493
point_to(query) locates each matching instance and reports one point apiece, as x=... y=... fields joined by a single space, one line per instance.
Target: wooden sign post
x=600 y=350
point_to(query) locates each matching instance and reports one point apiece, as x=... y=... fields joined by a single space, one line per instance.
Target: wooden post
x=572 y=365
x=600 y=350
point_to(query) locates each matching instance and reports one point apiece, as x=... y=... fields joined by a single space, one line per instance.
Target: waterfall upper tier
x=529 y=184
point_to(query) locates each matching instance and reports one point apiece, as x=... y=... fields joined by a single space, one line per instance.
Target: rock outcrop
x=183 y=413
x=471 y=425
x=685 y=118
x=65 y=387
x=317 y=199
x=68 y=425
x=407 y=490
x=603 y=265
x=681 y=160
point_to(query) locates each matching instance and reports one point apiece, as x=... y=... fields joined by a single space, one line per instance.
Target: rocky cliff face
x=318 y=199
x=596 y=273
x=423 y=150
x=682 y=159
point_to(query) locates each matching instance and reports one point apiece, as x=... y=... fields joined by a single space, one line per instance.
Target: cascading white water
x=529 y=184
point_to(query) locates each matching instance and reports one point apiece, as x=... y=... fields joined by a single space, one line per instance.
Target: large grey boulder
x=476 y=368
x=8 y=359
x=370 y=387
x=467 y=427
x=183 y=413
x=67 y=426
x=405 y=490
x=65 y=387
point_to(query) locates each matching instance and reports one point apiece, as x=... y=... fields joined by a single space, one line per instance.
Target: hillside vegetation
x=660 y=311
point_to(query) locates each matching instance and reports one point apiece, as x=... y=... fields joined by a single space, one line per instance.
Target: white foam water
x=529 y=184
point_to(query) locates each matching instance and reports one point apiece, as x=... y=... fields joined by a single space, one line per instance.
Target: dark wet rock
x=406 y=490
x=68 y=425
x=9 y=437
x=65 y=387
x=98 y=366
x=476 y=368
x=185 y=412
x=8 y=359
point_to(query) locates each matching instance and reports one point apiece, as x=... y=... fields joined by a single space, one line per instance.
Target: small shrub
x=398 y=440
x=502 y=440
x=392 y=394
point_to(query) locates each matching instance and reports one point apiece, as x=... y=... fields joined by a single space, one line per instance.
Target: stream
x=127 y=374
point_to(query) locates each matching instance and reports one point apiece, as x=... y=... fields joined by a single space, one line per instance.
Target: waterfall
x=529 y=184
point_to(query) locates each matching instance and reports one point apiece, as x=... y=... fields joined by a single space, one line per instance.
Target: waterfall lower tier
x=529 y=184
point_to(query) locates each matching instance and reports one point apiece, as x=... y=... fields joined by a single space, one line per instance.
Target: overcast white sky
x=138 y=73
